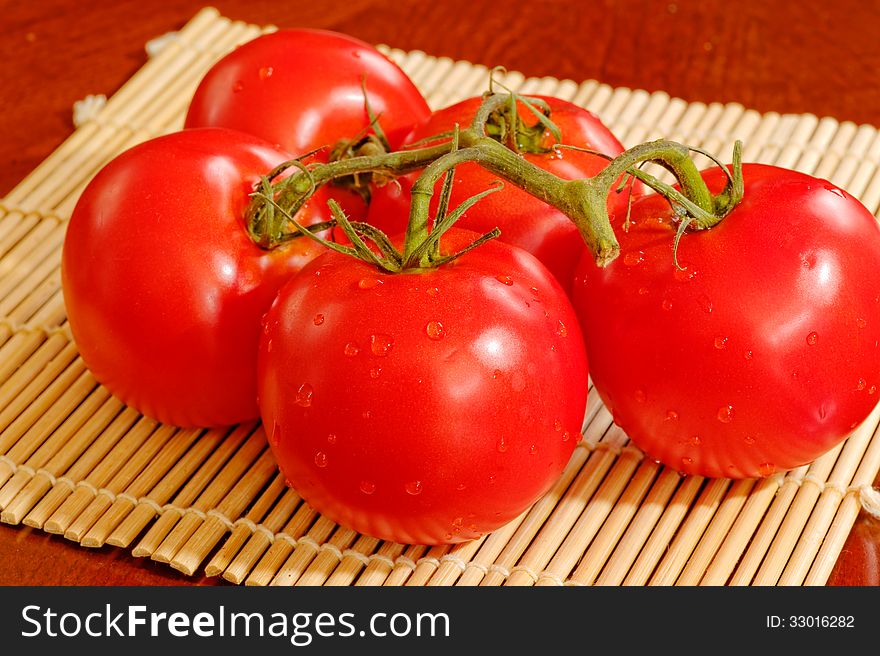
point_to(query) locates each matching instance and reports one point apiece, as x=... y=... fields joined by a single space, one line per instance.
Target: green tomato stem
x=584 y=200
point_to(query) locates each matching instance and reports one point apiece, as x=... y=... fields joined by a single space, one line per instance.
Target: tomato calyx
x=372 y=245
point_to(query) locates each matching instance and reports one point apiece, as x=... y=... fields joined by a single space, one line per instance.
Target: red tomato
x=762 y=353
x=423 y=407
x=163 y=287
x=302 y=89
x=524 y=220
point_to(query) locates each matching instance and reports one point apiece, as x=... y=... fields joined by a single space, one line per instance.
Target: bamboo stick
x=206 y=537
x=594 y=515
x=381 y=565
x=846 y=515
x=354 y=561
x=193 y=512
x=245 y=546
x=279 y=548
x=163 y=462
x=573 y=476
x=832 y=492
x=541 y=548
x=639 y=530
x=307 y=547
x=86 y=488
x=121 y=474
x=190 y=477
x=597 y=554
x=717 y=530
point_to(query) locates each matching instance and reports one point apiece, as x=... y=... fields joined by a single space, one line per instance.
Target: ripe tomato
x=524 y=220
x=303 y=89
x=423 y=407
x=163 y=287
x=762 y=353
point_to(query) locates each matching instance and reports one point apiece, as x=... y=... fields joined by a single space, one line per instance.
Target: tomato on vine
x=749 y=347
x=163 y=285
x=428 y=405
x=307 y=89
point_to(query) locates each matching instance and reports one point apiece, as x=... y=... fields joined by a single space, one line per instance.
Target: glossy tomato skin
x=426 y=407
x=762 y=354
x=302 y=89
x=524 y=220
x=164 y=289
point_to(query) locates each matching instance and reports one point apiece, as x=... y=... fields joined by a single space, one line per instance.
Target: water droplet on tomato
x=566 y=436
x=507 y=280
x=813 y=338
x=835 y=191
x=367 y=414
x=561 y=330
x=643 y=291
x=266 y=72
x=351 y=349
x=861 y=323
x=381 y=344
x=667 y=304
x=725 y=414
x=367 y=487
x=269 y=346
x=435 y=330
x=460 y=487
x=319 y=319
x=748 y=355
x=356 y=54
x=862 y=384
x=501 y=445
x=685 y=274
x=533 y=450
x=696 y=440
x=872 y=389
x=304 y=395
x=634 y=258
x=706 y=303
x=557 y=424
x=687 y=462
x=321 y=459
x=766 y=468
x=432 y=291
x=671 y=415
x=414 y=487
x=721 y=342
x=640 y=395
x=238 y=86
x=368 y=283
x=275 y=437
x=496 y=374
x=748 y=439
x=331 y=438
x=374 y=372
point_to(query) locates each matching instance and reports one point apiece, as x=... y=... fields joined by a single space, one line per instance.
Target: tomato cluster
x=285 y=257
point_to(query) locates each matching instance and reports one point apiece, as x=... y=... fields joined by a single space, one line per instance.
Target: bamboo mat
x=74 y=461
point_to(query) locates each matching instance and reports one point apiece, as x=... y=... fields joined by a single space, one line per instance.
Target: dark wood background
x=771 y=55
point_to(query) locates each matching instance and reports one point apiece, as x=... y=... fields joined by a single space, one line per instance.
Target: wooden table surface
x=785 y=56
